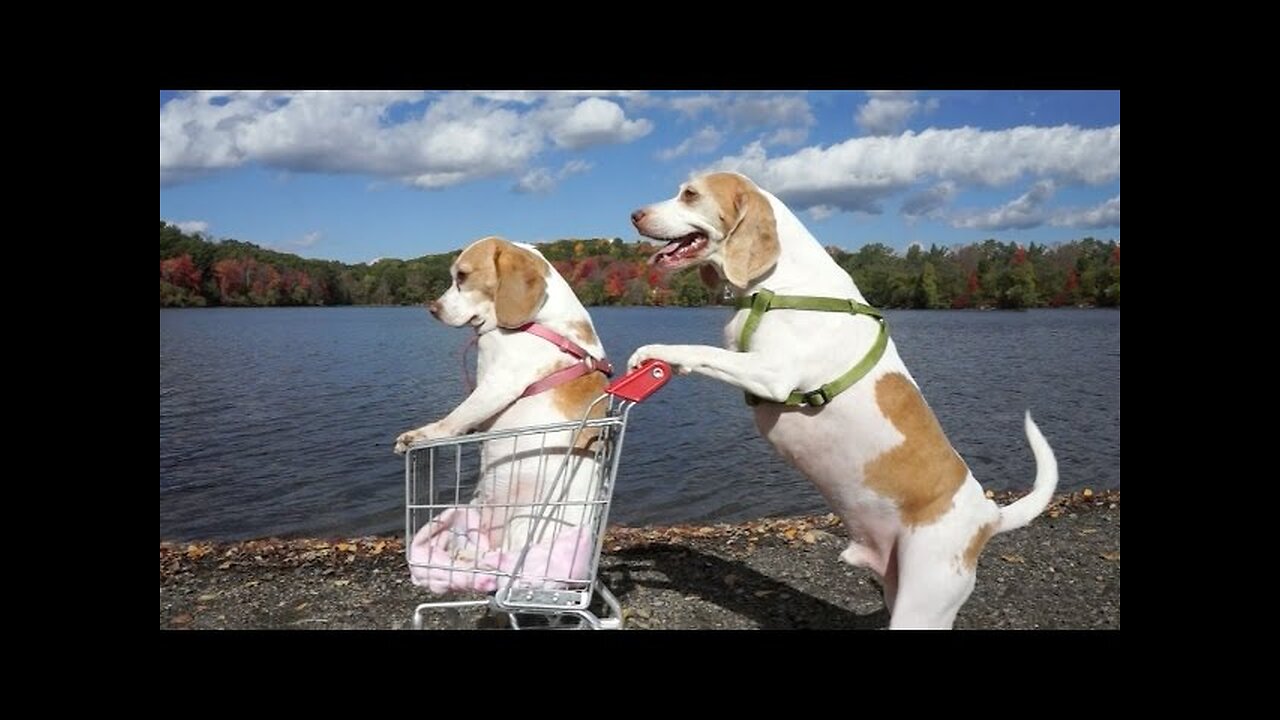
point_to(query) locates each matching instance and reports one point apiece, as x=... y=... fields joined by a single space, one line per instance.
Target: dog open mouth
x=680 y=251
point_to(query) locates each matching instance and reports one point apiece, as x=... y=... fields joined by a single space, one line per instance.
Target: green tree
x=926 y=294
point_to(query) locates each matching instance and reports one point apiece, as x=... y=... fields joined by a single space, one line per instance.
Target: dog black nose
x=637 y=216
x=433 y=307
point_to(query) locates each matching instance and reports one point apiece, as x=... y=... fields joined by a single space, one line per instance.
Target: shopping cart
x=520 y=514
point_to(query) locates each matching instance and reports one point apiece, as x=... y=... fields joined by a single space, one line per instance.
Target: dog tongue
x=668 y=249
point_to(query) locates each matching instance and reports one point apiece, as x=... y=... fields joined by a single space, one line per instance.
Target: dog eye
x=462 y=277
x=689 y=195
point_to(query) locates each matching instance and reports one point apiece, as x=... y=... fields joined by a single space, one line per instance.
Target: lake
x=280 y=421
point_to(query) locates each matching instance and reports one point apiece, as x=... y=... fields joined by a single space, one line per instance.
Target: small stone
x=990 y=494
x=1087 y=493
x=810 y=538
x=207 y=598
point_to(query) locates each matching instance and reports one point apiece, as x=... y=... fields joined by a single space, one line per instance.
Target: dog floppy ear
x=522 y=286
x=752 y=247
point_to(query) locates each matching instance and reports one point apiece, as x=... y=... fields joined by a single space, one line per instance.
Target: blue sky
x=355 y=176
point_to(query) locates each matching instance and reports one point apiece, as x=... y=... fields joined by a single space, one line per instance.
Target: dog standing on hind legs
x=833 y=397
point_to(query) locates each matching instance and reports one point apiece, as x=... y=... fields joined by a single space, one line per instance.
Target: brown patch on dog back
x=582 y=329
x=746 y=216
x=573 y=397
x=923 y=472
x=979 y=541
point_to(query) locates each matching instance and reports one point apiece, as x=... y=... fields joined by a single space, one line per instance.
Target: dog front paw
x=404 y=441
x=656 y=352
x=648 y=352
x=426 y=432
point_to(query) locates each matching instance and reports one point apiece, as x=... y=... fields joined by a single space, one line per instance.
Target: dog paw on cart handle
x=426 y=432
x=656 y=352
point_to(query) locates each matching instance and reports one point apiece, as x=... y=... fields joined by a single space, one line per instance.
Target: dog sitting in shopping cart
x=539 y=361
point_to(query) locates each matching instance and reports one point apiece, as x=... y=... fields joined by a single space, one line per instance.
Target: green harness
x=765 y=300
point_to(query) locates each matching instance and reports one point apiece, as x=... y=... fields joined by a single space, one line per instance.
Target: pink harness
x=585 y=365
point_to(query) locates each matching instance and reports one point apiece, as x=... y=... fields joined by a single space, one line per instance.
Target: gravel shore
x=1062 y=571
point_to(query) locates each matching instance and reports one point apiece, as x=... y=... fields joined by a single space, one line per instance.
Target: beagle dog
x=833 y=397
x=539 y=361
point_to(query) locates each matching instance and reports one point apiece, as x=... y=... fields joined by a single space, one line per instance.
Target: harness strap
x=765 y=300
x=586 y=365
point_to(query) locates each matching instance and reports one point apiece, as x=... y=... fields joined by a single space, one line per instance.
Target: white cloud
x=593 y=122
x=821 y=212
x=928 y=202
x=573 y=167
x=693 y=105
x=308 y=240
x=887 y=111
x=704 y=141
x=537 y=180
x=758 y=109
x=541 y=180
x=857 y=174
x=1026 y=211
x=787 y=136
x=454 y=137
x=529 y=97
x=1105 y=215
x=192 y=227
x=748 y=110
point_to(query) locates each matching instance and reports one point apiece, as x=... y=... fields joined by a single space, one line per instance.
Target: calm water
x=280 y=421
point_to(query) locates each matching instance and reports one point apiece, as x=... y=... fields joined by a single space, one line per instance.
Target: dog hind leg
x=930 y=589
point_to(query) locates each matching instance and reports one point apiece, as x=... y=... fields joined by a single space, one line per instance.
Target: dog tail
x=1026 y=508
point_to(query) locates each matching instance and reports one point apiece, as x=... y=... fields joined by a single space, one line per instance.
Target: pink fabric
x=448 y=552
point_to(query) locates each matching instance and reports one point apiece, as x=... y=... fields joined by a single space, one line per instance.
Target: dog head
x=496 y=283
x=721 y=220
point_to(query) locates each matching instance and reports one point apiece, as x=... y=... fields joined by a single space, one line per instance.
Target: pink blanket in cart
x=453 y=552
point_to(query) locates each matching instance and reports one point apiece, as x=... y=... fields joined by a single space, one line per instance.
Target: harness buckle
x=604 y=366
x=817 y=398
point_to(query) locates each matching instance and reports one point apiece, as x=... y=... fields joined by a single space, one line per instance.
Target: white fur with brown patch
x=875 y=452
x=498 y=286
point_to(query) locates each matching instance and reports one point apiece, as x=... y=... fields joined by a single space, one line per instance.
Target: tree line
x=195 y=271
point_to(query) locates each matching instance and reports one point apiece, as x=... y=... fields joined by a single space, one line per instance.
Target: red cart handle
x=641 y=382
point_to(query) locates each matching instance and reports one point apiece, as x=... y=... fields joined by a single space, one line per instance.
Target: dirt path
x=1062 y=571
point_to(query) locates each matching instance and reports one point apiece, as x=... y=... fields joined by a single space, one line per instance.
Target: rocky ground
x=1062 y=571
